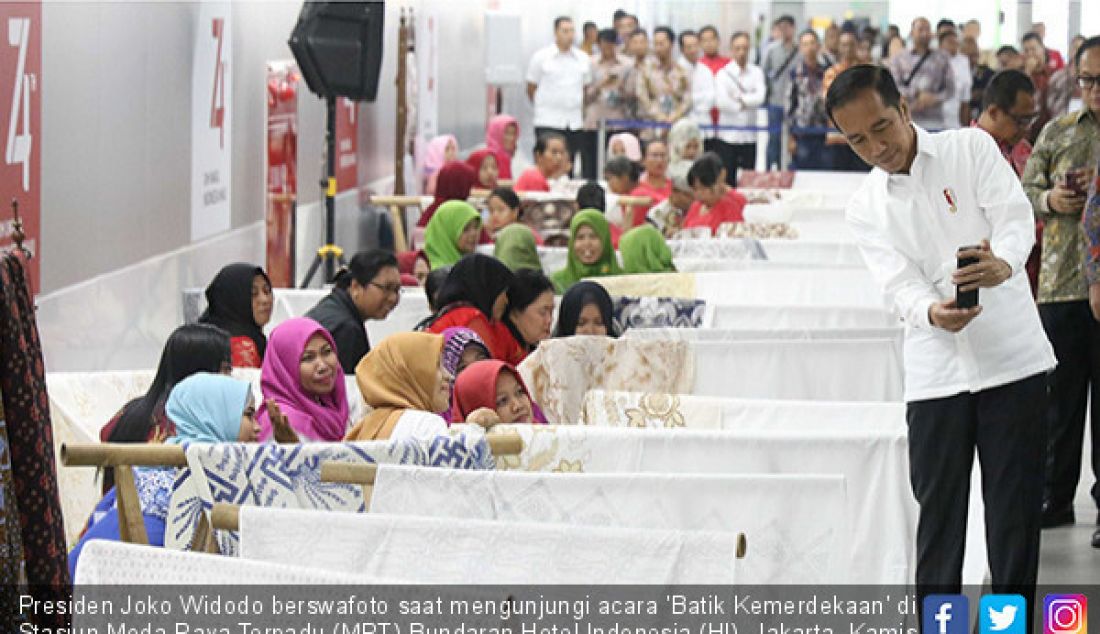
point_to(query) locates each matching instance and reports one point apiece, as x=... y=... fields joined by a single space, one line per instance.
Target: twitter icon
x=1002 y=614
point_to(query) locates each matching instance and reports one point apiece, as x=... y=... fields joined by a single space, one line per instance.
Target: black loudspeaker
x=338 y=47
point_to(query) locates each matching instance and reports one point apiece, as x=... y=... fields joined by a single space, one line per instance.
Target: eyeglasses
x=1025 y=120
x=1086 y=82
x=389 y=290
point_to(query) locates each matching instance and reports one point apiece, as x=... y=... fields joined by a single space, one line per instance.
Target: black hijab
x=229 y=303
x=477 y=280
x=573 y=302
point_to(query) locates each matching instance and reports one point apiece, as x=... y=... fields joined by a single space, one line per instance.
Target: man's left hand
x=987 y=272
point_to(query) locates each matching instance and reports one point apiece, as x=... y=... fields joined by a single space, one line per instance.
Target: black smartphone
x=967 y=299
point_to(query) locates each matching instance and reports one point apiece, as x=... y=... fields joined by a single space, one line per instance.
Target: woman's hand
x=484 y=417
x=281 y=430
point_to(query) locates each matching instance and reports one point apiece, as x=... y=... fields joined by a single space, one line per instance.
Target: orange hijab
x=399 y=374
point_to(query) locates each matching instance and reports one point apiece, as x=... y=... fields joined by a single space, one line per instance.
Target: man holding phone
x=1056 y=179
x=975 y=378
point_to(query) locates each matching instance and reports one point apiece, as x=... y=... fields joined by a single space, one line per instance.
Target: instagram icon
x=1065 y=614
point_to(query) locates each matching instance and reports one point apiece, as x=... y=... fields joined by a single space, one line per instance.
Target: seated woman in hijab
x=592 y=196
x=461 y=348
x=590 y=251
x=516 y=247
x=624 y=144
x=455 y=182
x=585 y=310
x=302 y=380
x=452 y=233
x=414 y=267
x=644 y=250
x=405 y=384
x=484 y=164
x=475 y=296
x=501 y=136
x=530 y=312
x=368 y=288
x=191 y=348
x=206 y=408
x=491 y=393
x=685 y=142
x=441 y=150
x=239 y=302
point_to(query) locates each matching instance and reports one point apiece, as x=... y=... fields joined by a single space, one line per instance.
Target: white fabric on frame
x=729 y=316
x=827 y=370
x=560 y=371
x=874 y=462
x=816 y=287
x=104 y=562
x=826 y=254
x=794 y=524
x=457 y=551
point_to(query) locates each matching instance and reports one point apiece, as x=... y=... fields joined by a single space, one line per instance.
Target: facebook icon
x=946 y=614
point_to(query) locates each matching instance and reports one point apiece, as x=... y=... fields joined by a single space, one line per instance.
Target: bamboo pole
x=118 y=454
x=131 y=522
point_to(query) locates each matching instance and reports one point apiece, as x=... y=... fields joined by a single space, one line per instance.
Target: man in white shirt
x=689 y=50
x=975 y=378
x=739 y=91
x=556 y=78
x=956 y=108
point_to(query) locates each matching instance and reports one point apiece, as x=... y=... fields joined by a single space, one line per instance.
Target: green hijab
x=645 y=251
x=575 y=270
x=443 y=230
x=515 y=246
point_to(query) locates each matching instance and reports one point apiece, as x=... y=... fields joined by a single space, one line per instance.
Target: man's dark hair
x=608 y=35
x=544 y=139
x=1007 y=48
x=1092 y=42
x=710 y=28
x=1031 y=35
x=683 y=35
x=812 y=32
x=591 y=196
x=561 y=18
x=737 y=34
x=618 y=15
x=785 y=19
x=667 y=31
x=1003 y=89
x=706 y=170
x=507 y=196
x=945 y=22
x=639 y=31
x=857 y=79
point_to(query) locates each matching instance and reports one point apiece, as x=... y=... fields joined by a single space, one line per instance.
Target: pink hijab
x=630 y=144
x=494 y=142
x=435 y=153
x=322 y=419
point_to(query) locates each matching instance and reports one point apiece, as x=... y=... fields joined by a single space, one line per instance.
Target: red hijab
x=477 y=157
x=476 y=387
x=455 y=181
x=494 y=141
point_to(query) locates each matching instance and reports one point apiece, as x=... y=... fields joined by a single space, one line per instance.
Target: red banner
x=21 y=117
x=283 y=84
x=347 y=144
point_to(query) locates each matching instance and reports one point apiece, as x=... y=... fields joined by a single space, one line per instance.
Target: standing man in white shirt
x=975 y=378
x=556 y=78
x=689 y=50
x=956 y=108
x=740 y=90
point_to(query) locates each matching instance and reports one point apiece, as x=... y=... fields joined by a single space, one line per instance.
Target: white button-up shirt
x=738 y=92
x=560 y=77
x=959 y=191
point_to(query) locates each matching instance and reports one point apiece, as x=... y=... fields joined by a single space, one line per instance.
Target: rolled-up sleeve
x=900 y=278
x=1004 y=203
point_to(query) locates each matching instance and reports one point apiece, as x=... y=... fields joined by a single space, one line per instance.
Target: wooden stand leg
x=131 y=523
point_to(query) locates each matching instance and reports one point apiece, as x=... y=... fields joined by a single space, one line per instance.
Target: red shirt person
x=715 y=201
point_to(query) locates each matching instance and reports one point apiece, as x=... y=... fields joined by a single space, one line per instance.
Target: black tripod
x=328 y=253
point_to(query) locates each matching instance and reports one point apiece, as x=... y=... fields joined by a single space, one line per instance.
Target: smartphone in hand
x=966 y=299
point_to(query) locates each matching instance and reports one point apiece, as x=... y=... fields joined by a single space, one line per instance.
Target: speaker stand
x=328 y=253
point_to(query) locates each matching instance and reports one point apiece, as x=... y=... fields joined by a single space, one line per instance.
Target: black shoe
x=1096 y=538
x=1053 y=518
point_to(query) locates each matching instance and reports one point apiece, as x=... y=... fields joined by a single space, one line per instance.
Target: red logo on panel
x=217 y=101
